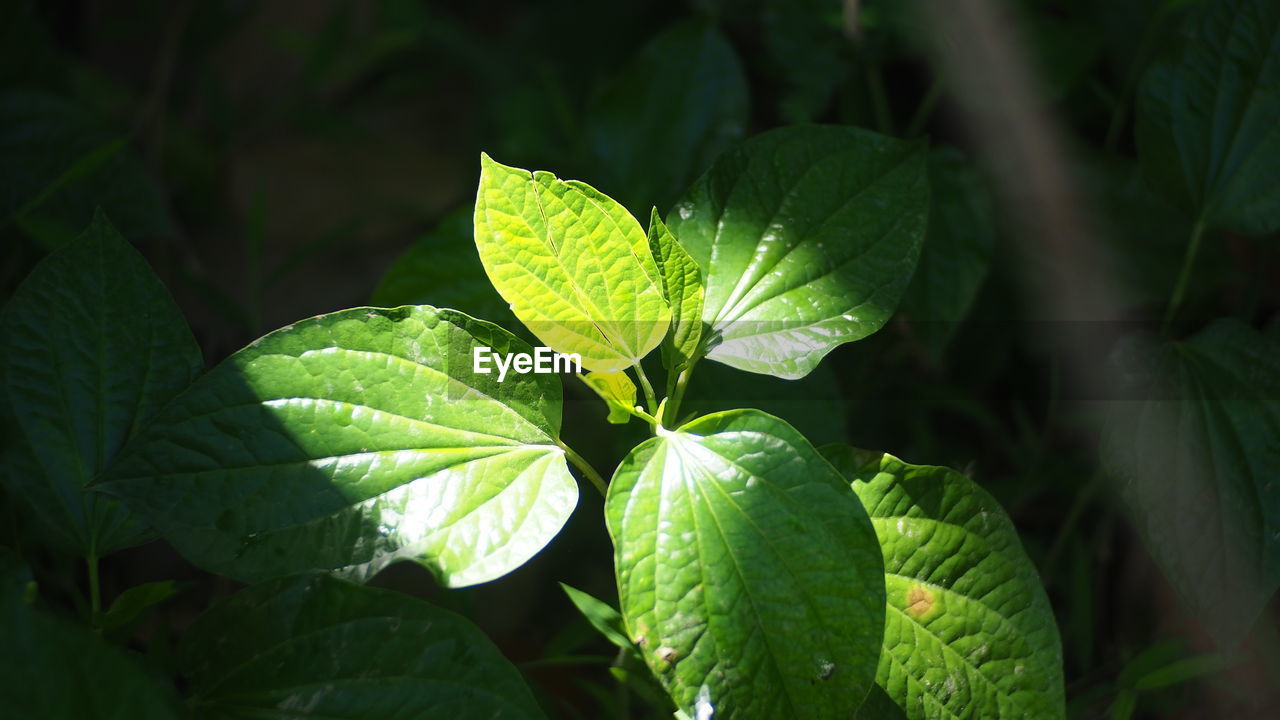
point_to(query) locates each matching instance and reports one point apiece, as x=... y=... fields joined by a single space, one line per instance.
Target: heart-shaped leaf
x=1207 y=125
x=315 y=646
x=353 y=439
x=1198 y=455
x=969 y=632
x=93 y=346
x=748 y=573
x=807 y=237
x=573 y=263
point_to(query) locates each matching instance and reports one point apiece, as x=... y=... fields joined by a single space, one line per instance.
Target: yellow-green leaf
x=618 y=391
x=682 y=287
x=574 y=264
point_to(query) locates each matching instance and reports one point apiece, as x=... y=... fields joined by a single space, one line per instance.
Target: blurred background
x=276 y=160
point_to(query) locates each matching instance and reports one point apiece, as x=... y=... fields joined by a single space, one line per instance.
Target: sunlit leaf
x=574 y=265
x=682 y=287
x=807 y=237
x=351 y=440
x=969 y=631
x=748 y=573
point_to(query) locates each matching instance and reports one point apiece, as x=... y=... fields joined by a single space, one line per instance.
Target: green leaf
x=682 y=288
x=617 y=391
x=969 y=630
x=747 y=571
x=354 y=439
x=957 y=251
x=574 y=265
x=54 y=669
x=58 y=165
x=661 y=122
x=442 y=269
x=93 y=346
x=807 y=237
x=606 y=620
x=1206 y=124
x=316 y=646
x=134 y=602
x=879 y=706
x=1195 y=446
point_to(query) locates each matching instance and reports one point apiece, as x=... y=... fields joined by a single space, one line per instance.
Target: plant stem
x=1184 y=275
x=649 y=396
x=95 y=594
x=925 y=110
x=682 y=382
x=585 y=468
x=879 y=99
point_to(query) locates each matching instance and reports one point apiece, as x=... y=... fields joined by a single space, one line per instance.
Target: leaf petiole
x=584 y=467
x=1184 y=275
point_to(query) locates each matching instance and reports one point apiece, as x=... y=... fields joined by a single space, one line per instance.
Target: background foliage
x=274 y=161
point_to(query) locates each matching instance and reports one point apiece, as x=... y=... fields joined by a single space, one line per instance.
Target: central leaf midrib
x=710 y=478
x=588 y=305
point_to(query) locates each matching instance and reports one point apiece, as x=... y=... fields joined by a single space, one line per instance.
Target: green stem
x=925 y=110
x=682 y=382
x=95 y=594
x=879 y=99
x=649 y=396
x=585 y=468
x=1184 y=275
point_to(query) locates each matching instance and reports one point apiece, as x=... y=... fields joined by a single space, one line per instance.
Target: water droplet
x=825 y=669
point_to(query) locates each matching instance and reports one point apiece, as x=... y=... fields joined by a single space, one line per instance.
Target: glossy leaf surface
x=354 y=439
x=748 y=573
x=969 y=631
x=315 y=646
x=1198 y=460
x=1207 y=124
x=93 y=346
x=574 y=264
x=807 y=237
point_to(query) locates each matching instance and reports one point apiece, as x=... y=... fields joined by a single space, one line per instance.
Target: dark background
x=273 y=159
